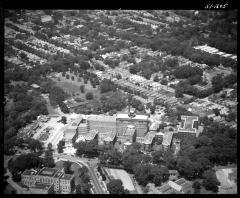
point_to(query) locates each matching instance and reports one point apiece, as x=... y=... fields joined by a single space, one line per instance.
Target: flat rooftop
x=167 y=138
x=187 y=124
x=101 y=118
x=30 y=172
x=136 y=117
x=50 y=172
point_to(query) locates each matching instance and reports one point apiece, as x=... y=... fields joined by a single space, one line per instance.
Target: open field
x=123 y=176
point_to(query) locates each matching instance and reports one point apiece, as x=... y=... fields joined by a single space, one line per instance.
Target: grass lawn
x=73 y=86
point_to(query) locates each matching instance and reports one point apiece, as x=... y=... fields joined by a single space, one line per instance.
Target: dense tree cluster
x=210 y=181
x=23 y=162
x=107 y=85
x=115 y=101
x=200 y=154
x=60 y=146
x=84 y=186
x=187 y=71
x=219 y=82
x=88 y=149
x=115 y=186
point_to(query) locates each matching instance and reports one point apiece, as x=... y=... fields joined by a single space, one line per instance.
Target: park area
x=123 y=176
x=72 y=87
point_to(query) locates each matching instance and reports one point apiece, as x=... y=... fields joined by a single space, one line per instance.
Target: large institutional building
x=48 y=180
x=107 y=129
x=128 y=128
x=140 y=122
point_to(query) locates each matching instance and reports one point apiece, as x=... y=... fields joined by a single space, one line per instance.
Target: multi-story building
x=129 y=135
x=167 y=139
x=101 y=123
x=107 y=138
x=71 y=132
x=146 y=141
x=139 y=121
x=180 y=186
x=188 y=127
x=45 y=177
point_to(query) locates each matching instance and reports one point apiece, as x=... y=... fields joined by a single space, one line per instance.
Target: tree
x=107 y=85
x=82 y=88
x=50 y=147
x=142 y=173
x=64 y=120
x=67 y=167
x=78 y=189
x=217 y=83
x=111 y=156
x=134 y=69
x=157 y=157
x=196 y=186
x=35 y=145
x=115 y=186
x=85 y=187
x=178 y=92
x=164 y=81
x=83 y=174
x=63 y=107
x=48 y=160
x=60 y=146
x=89 y=95
x=210 y=181
x=156 y=79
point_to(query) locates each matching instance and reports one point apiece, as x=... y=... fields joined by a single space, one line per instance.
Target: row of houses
x=213 y=50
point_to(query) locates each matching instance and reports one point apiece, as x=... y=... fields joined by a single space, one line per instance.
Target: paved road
x=94 y=178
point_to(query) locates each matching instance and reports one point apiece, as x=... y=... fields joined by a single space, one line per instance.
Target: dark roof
x=50 y=172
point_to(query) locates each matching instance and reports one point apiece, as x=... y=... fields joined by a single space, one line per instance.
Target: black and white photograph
x=120 y=101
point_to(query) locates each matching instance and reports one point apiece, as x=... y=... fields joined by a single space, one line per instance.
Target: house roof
x=129 y=131
x=102 y=118
x=137 y=117
x=50 y=172
x=175 y=186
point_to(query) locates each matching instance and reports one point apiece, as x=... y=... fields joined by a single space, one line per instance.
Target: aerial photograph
x=120 y=101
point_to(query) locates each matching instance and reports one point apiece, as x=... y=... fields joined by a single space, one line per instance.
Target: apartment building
x=45 y=177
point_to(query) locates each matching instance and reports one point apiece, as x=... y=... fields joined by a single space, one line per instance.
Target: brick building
x=42 y=180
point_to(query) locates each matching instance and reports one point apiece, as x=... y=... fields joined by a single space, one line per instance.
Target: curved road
x=94 y=178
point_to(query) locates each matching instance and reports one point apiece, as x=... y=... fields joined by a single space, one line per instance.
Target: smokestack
x=128 y=104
